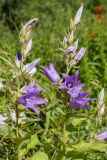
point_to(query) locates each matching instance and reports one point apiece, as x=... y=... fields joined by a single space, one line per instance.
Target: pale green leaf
x=39 y=156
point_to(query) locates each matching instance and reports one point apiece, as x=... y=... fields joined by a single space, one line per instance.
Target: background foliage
x=54 y=19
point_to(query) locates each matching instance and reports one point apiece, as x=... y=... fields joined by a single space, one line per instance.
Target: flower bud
x=78 y=56
x=77 y=17
x=18 y=59
x=28 y=48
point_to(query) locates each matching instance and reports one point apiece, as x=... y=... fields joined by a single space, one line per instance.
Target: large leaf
x=92 y=145
x=28 y=144
x=39 y=156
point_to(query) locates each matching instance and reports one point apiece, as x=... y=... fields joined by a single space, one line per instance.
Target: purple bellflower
x=80 y=100
x=70 y=81
x=102 y=136
x=51 y=73
x=29 y=99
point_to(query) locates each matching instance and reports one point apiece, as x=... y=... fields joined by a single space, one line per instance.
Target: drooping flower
x=70 y=81
x=51 y=73
x=80 y=100
x=102 y=136
x=18 y=59
x=30 y=67
x=29 y=99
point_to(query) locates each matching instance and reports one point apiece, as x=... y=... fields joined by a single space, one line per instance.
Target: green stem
x=17 y=132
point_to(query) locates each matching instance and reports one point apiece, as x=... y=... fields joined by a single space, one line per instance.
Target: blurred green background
x=54 y=17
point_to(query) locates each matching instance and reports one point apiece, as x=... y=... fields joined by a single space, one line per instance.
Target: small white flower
x=78 y=15
x=22 y=117
x=2 y=119
x=101 y=95
x=102 y=109
x=1 y=85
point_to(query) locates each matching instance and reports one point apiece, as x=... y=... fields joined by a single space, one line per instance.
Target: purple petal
x=31 y=65
x=18 y=55
x=102 y=136
x=74 y=91
x=51 y=73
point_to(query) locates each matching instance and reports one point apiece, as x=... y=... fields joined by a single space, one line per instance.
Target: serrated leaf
x=39 y=156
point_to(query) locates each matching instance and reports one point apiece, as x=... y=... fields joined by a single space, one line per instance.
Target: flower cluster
x=78 y=98
x=29 y=98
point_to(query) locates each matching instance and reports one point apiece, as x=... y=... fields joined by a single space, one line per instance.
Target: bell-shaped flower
x=70 y=81
x=29 y=99
x=51 y=73
x=80 y=100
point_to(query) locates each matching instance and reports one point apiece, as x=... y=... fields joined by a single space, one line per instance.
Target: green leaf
x=28 y=144
x=4 y=129
x=39 y=156
x=77 y=121
x=47 y=121
x=92 y=145
x=33 y=142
